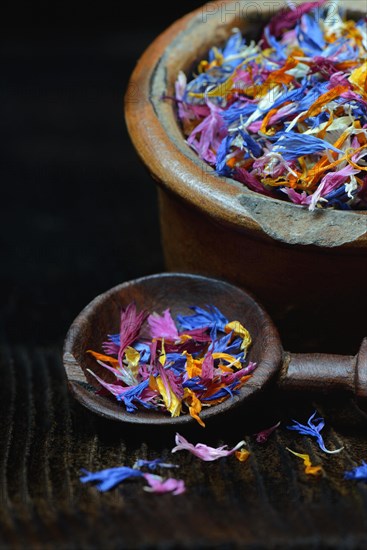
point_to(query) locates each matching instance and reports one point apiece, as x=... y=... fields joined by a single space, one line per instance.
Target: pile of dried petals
x=286 y=116
x=158 y=365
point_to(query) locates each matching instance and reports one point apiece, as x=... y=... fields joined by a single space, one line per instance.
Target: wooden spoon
x=177 y=291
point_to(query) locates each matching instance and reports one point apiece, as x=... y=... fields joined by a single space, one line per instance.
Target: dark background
x=78 y=211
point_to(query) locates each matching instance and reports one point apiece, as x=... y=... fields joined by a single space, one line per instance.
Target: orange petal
x=242 y=455
x=104 y=358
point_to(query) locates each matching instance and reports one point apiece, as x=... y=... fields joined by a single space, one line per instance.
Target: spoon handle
x=325 y=372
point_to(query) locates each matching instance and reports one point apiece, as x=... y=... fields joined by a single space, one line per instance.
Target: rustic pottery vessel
x=307 y=268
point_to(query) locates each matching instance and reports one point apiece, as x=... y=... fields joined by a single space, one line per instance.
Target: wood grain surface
x=267 y=502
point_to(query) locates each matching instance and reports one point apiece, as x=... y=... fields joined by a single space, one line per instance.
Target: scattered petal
x=153 y=464
x=242 y=455
x=107 y=479
x=263 y=436
x=309 y=469
x=203 y=451
x=159 y=485
x=359 y=472
x=313 y=429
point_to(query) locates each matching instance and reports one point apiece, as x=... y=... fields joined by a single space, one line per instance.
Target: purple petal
x=263 y=436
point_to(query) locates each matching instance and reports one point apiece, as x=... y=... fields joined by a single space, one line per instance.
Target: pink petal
x=208 y=135
x=203 y=451
x=297 y=198
x=130 y=325
x=162 y=326
x=331 y=181
x=170 y=485
x=286 y=19
x=251 y=181
x=207 y=369
x=115 y=389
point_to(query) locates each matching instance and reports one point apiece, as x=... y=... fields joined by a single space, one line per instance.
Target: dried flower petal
x=280 y=115
x=159 y=485
x=163 y=326
x=176 y=372
x=203 y=451
x=309 y=469
x=263 y=436
x=242 y=455
x=313 y=429
x=241 y=331
x=105 y=480
x=359 y=472
x=153 y=464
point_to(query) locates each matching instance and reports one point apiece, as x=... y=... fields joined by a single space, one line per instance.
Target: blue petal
x=313 y=429
x=194 y=384
x=359 y=472
x=144 y=351
x=202 y=319
x=293 y=145
x=221 y=344
x=133 y=394
x=153 y=464
x=251 y=144
x=142 y=348
x=224 y=392
x=221 y=166
x=238 y=109
x=109 y=478
x=273 y=43
x=234 y=45
x=310 y=36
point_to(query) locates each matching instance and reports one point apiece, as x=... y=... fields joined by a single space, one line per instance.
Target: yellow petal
x=132 y=357
x=241 y=331
x=309 y=469
x=162 y=357
x=227 y=357
x=185 y=337
x=173 y=404
x=305 y=458
x=358 y=77
x=219 y=91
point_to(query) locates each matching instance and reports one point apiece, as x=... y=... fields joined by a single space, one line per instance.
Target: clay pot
x=307 y=268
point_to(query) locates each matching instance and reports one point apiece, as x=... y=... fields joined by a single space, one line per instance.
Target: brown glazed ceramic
x=315 y=372
x=313 y=263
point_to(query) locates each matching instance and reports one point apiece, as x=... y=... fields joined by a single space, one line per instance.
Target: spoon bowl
x=157 y=293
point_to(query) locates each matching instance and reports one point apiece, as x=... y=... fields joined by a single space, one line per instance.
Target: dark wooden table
x=267 y=502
